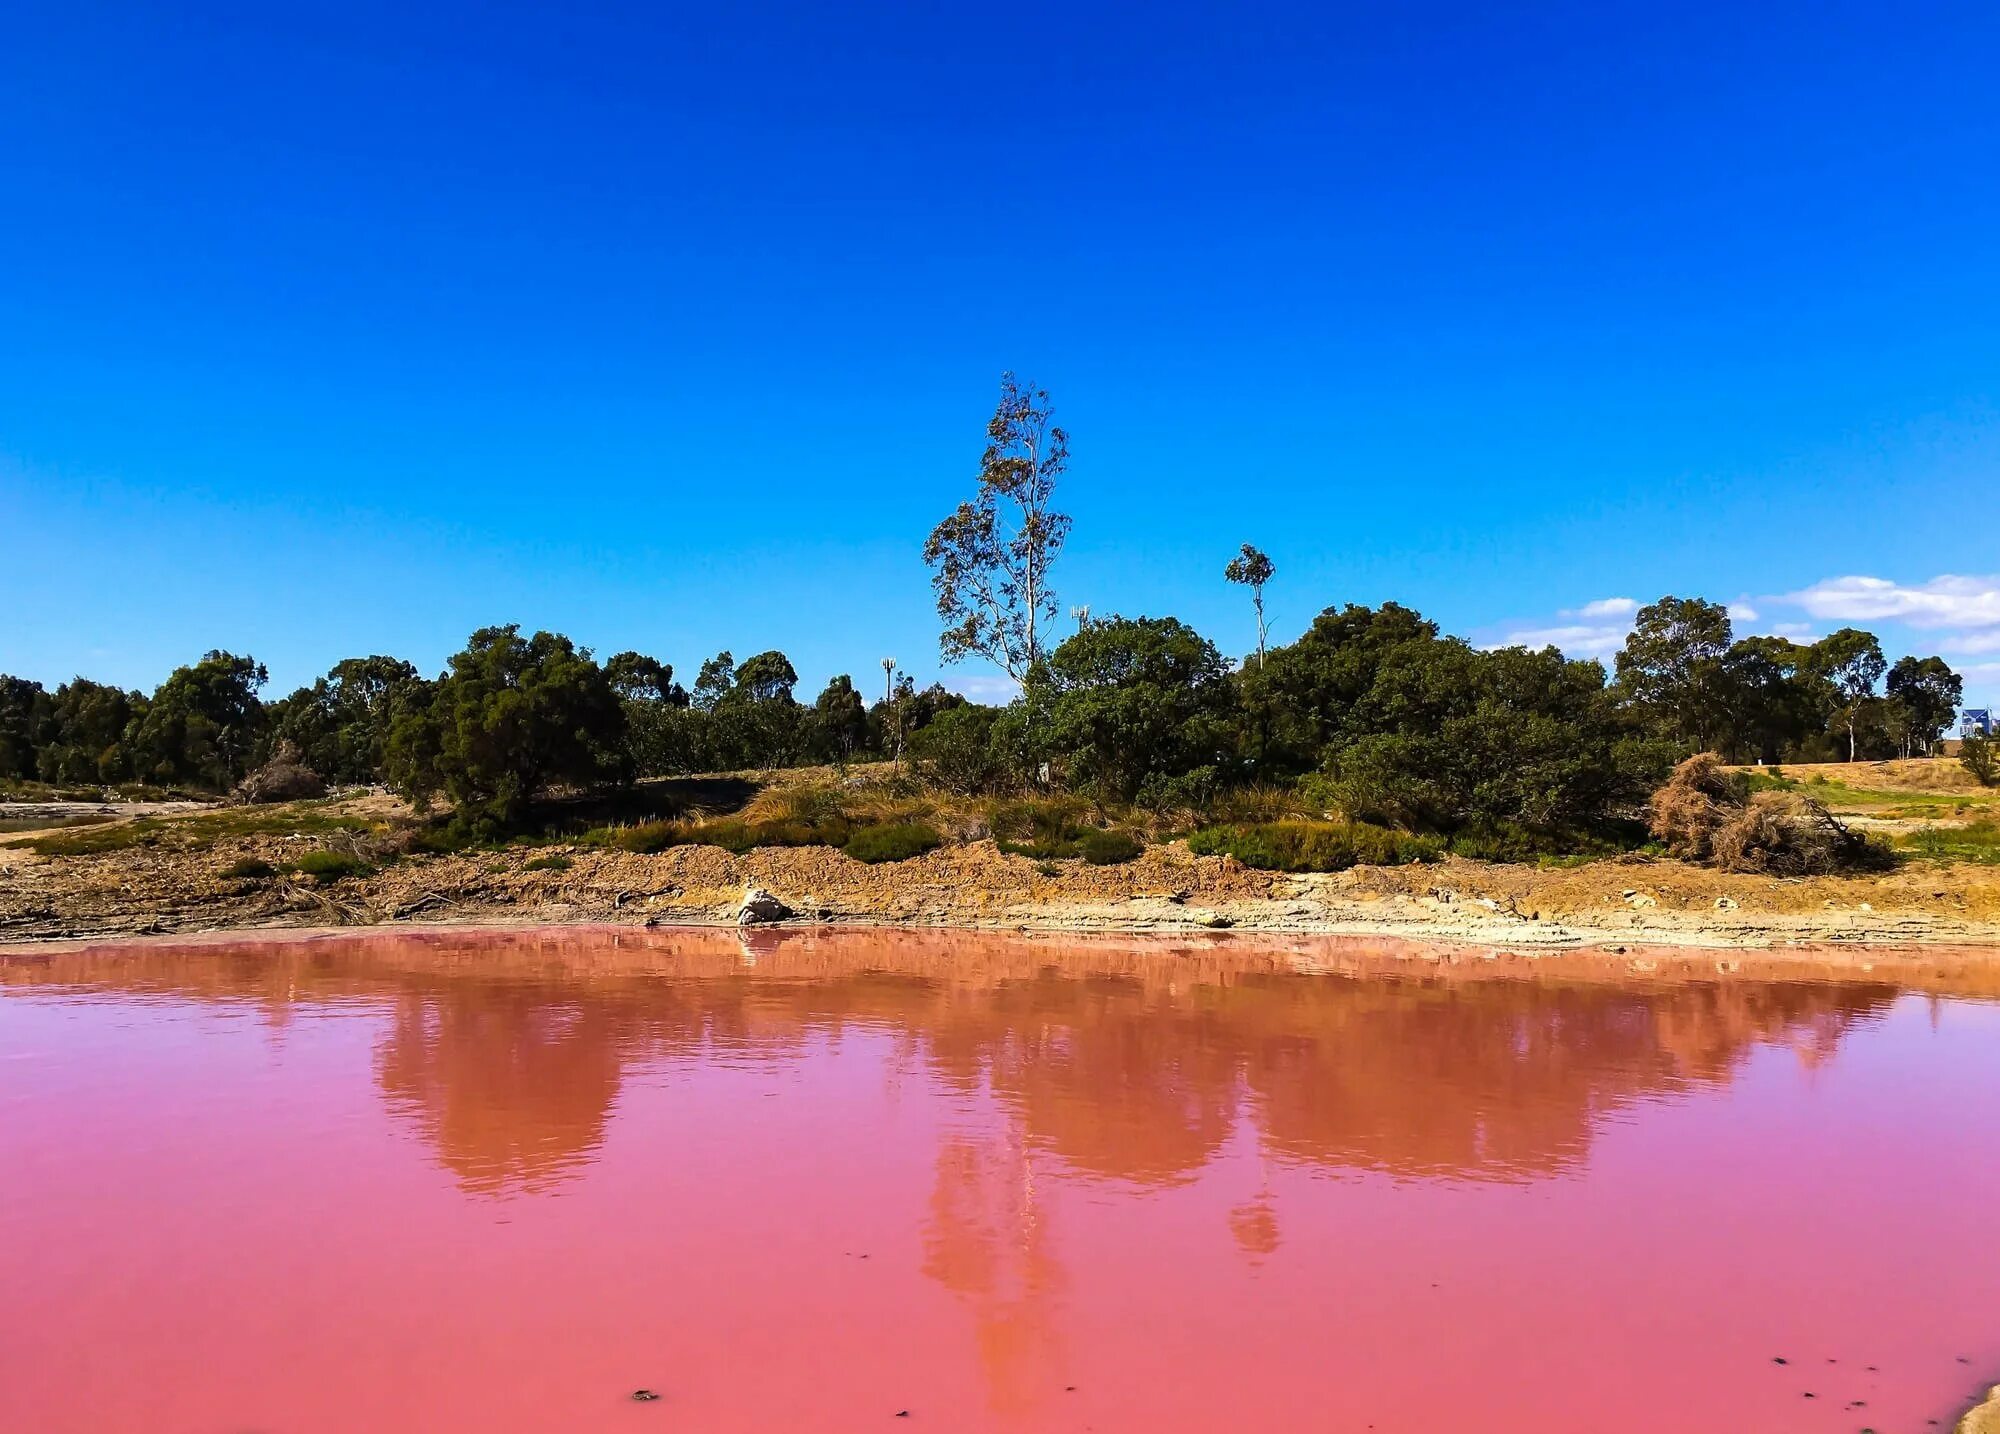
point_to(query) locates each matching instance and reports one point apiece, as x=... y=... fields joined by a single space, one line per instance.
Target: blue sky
x=338 y=329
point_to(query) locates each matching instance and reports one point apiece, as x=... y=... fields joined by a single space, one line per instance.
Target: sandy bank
x=1630 y=902
x=1983 y=1418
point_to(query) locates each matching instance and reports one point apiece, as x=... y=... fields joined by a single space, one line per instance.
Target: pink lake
x=500 y=1181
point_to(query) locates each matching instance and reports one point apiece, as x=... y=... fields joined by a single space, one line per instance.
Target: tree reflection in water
x=1104 y=1061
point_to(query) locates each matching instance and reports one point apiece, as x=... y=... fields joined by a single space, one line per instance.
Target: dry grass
x=1942 y=775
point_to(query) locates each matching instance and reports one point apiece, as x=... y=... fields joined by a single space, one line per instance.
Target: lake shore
x=237 y=869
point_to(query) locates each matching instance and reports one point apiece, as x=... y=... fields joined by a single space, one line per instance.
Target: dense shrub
x=1042 y=827
x=1194 y=790
x=892 y=841
x=557 y=862
x=1132 y=704
x=246 y=868
x=1977 y=754
x=1314 y=846
x=1511 y=842
x=1108 y=848
x=956 y=751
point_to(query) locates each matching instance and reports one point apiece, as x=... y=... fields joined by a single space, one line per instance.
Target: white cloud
x=998 y=688
x=1596 y=629
x=1603 y=608
x=1576 y=639
x=1947 y=601
x=1742 y=612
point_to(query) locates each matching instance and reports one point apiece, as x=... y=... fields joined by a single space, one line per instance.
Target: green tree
x=85 y=737
x=663 y=734
x=1850 y=661
x=990 y=559
x=341 y=723
x=1525 y=746
x=1252 y=569
x=1307 y=697
x=1671 y=670
x=1136 y=699
x=203 y=723
x=24 y=716
x=511 y=719
x=767 y=677
x=839 y=725
x=1923 y=695
x=749 y=717
x=715 y=681
x=1770 y=703
x=636 y=677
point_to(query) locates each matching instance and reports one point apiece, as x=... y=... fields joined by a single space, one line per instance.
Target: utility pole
x=1081 y=612
x=888 y=700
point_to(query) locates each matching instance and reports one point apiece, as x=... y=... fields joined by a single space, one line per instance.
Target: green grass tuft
x=892 y=841
x=329 y=866
x=1979 y=841
x=1314 y=846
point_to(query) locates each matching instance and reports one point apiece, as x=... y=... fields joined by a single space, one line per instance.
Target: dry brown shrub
x=285 y=778
x=1704 y=815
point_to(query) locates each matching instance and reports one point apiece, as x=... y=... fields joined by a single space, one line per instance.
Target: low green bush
x=1314 y=846
x=248 y=868
x=741 y=836
x=326 y=866
x=1108 y=848
x=558 y=862
x=892 y=841
x=732 y=834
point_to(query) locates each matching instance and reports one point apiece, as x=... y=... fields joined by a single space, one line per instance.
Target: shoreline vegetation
x=1372 y=773
x=864 y=847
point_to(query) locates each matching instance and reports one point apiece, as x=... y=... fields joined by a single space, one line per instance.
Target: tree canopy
x=511 y=719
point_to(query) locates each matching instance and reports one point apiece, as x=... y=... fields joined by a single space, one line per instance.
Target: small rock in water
x=644 y=1396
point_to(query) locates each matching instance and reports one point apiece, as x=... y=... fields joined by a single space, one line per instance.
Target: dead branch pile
x=285 y=778
x=1705 y=814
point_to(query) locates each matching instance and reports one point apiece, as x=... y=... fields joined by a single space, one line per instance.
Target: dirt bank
x=164 y=888
x=1984 y=1418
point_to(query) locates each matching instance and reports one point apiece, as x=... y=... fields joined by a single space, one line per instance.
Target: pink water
x=501 y=1182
